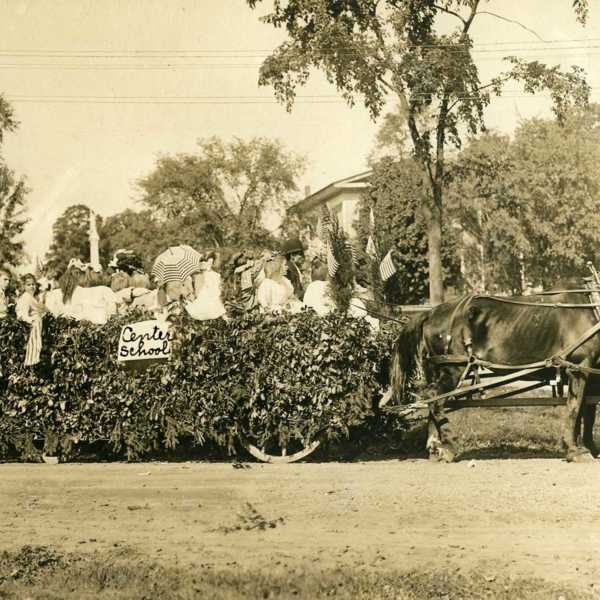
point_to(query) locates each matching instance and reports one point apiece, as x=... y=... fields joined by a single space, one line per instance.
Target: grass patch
x=477 y=433
x=109 y=576
x=505 y=432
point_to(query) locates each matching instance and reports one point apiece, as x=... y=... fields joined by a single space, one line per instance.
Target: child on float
x=207 y=303
x=318 y=295
x=276 y=291
x=30 y=309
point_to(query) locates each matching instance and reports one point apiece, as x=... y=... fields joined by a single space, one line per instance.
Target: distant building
x=341 y=197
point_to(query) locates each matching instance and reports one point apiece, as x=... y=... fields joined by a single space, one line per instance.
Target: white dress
x=273 y=294
x=31 y=311
x=207 y=304
x=95 y=304
x=317 y=297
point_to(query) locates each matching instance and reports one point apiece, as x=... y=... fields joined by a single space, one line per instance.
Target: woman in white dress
x=207 y=303
x=276 y=292
x=74 y=299
x=318 y=297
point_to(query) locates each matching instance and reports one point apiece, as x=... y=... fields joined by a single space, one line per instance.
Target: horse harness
x=558 y=362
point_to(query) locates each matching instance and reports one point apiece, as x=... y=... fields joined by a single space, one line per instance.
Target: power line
x=166 y=51
x=222 y=65
x=449 y=49
x=216 y=100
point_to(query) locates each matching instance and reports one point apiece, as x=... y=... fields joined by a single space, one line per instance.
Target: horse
x=512 y=331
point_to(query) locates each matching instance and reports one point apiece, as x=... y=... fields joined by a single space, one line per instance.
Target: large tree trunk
x=434 y=240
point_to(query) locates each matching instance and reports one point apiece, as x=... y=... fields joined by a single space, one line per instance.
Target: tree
x=148 y=236
x=396 y=196
x=557 y=182
x=12 y=216
x=484 y=202
x=70 y=238
x=12 y=198
x=374 y=49
x=226 y=188
x=531 y=206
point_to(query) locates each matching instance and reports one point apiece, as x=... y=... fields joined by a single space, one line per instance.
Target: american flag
x=387 y=268
x=325 y=223
x=332 y=263
x=320 y=230
x=247 y=278
x=350 y=247
x=34 y=344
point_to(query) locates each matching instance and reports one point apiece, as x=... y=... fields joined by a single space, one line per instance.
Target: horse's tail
x=406 y=359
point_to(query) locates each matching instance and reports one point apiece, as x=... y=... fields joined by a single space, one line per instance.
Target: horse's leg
x=438 y=445
x=577 y=385
x=589 y=417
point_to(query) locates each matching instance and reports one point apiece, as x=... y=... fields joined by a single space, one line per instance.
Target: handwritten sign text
x=146 y=340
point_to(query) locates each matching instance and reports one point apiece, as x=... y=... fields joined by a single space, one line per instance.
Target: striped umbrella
x=176 y=264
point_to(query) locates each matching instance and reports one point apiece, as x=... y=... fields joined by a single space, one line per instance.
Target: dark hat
x=291 y=246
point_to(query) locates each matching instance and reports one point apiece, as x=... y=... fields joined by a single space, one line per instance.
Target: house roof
x=329 y=191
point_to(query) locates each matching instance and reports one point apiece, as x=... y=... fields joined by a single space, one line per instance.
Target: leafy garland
x=225 y=377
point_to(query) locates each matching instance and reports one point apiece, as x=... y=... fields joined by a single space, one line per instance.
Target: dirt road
x=499 y=517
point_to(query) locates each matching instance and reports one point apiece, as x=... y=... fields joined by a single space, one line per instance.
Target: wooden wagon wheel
x=277 y=455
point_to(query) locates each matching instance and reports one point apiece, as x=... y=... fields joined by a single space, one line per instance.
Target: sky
x=101 y=89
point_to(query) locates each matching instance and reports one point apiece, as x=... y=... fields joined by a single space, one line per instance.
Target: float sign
x=144 y=343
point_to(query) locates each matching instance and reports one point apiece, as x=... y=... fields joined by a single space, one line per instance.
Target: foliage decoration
x=225 y=377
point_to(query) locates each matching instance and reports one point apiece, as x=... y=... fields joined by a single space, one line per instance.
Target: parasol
x=176 y=264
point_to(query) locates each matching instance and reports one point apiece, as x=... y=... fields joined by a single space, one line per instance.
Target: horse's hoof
x=447 y=455
x=593 y=449
x=580 y=457
x=435 y=456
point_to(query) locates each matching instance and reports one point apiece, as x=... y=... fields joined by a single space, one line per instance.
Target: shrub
x=274 y=379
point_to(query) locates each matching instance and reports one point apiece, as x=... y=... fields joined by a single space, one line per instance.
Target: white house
x=341 y=197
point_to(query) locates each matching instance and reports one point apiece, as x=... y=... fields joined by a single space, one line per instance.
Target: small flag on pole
x=332 y=263
x=319 y=230
x=387 y=268
x=350 y=247
x=325 y=222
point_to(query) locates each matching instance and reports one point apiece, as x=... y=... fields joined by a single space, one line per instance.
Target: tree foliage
x=373 y=49
x=532 y=204
x=70 y=238
x=12 y=216
x=226 y=188
x=396 y=195
x=12 y=198
x=557 y=182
